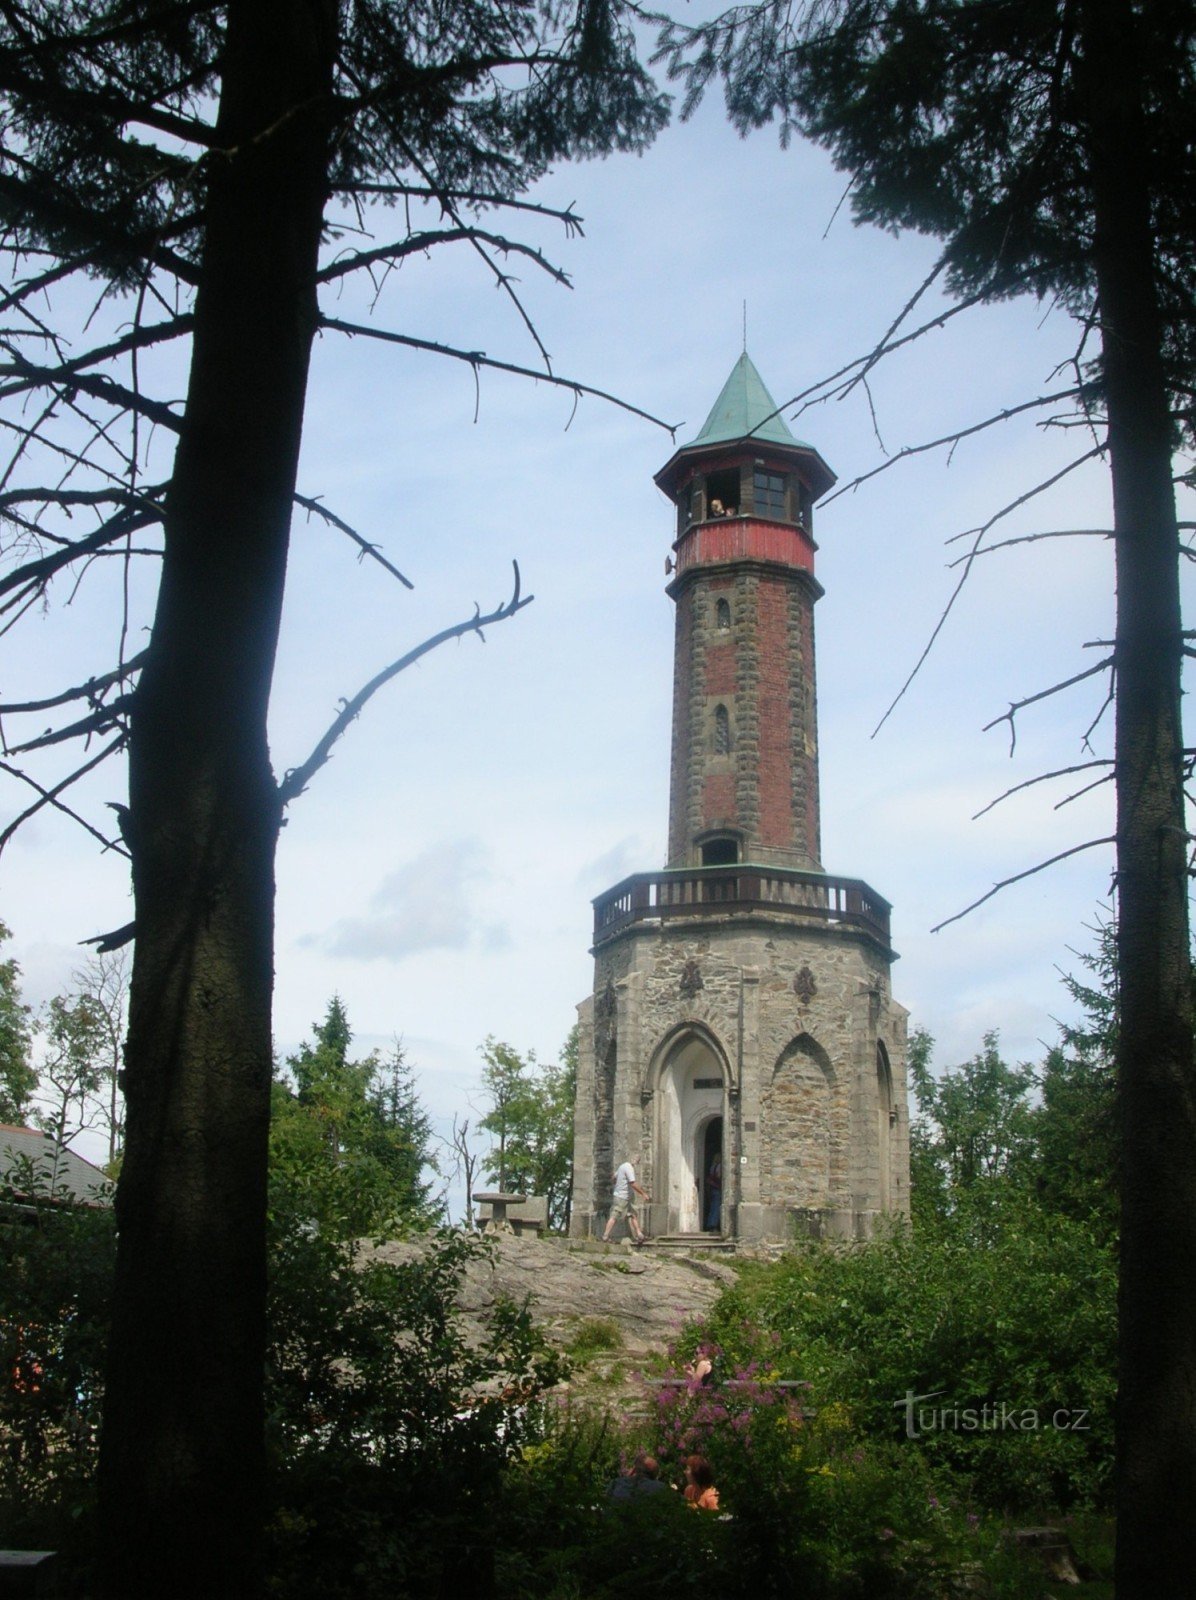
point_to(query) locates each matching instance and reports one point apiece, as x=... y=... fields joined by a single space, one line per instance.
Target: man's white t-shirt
x=624 y=1178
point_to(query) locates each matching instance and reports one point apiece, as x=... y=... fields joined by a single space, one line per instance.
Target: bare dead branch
x=104 y=716
x=1017 y=877
x=830 y=388
x=1043 y=694
x=478 y=358
x=34 y=575
x=473 y=197
x=1043 y=777
x=502 y=279
x=65 y=498
x=1078 y=794
x=140 y=337
x=426 y=241
x=98 y=385
x=949 y=439
x=979 y=534
x=1104 y=706
x=83 y=691
x=314 y=508
x=884 y=342
x=297 y=779
x=1029 y=538
x=104 y=942
x=50 y=797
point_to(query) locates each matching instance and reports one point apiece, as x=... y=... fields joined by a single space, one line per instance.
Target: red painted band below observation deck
x=706 y=544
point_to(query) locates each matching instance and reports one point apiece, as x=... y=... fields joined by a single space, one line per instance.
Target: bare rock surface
x=648 y=1295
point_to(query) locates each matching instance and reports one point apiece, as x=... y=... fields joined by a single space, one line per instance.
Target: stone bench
x=518 y=1213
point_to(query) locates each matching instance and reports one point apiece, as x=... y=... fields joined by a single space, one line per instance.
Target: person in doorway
x=699 y=1484
x=714 y=1194
x=624 y=1182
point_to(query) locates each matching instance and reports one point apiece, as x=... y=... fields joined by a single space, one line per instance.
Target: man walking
x=624 y=1181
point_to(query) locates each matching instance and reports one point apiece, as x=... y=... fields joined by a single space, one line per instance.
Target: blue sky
x=438 y=874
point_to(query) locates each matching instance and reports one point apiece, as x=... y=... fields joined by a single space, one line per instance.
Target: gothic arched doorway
x=709 y=1167
x=689 y=1132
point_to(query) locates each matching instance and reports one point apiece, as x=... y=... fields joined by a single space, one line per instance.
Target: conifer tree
x=1050 y=145
x=349 y=1143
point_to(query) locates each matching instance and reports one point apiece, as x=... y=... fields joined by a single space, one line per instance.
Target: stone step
x=704 y=1243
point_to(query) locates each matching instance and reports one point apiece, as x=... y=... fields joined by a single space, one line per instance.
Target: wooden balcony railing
x=715 y=891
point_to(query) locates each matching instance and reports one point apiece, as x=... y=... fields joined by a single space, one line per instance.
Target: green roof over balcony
x=741 y=409
x=744 y=413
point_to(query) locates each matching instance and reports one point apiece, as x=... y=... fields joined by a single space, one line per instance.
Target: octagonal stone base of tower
x=728 y=1019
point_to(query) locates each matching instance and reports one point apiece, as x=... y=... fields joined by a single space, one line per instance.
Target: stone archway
x=691 y=1116
x=802 y=1146
x=884 y=1126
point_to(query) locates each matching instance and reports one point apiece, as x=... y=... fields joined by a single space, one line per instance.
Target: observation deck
x=694 y=893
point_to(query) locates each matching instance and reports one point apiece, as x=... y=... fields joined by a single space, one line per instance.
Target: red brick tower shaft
x=744 y=784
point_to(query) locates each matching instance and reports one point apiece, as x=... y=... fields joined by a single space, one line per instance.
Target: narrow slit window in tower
x=722 y=617
x=722 y=731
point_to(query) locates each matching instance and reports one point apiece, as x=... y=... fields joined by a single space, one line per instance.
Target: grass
x=593 y=1336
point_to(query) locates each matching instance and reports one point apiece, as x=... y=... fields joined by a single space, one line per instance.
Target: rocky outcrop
x=648 y=1295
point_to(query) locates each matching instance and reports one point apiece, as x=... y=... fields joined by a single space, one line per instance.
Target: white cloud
x=613 y=865
x=424 y=905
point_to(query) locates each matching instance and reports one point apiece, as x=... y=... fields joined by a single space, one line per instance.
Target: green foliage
x=594 y=1334
x=389 y=1429
x=1078 y=1165
x=811 y=1507
x=989 y=1137
x=72 y=1067
x=55 y=1294
x=531 y=1117
x=564 y=1541
x=420 y=92
x=18 y=1079
x=974 y=123
x=973 y=1139
x=349 y=1143
x=1025 y=1322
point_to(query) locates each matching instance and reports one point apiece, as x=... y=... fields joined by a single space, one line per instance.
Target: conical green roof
x=741 y=408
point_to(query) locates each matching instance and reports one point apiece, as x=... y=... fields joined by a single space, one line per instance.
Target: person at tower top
x=624 y=1182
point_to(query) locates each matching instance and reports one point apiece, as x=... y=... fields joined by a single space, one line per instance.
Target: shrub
x=1026 y=1323
x=55 y=1305
x=389 y=1428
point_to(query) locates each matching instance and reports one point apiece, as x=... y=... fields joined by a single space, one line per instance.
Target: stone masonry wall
x=793 y=1013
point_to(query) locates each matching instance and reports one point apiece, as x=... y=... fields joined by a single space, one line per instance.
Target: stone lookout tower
x=742 y=1033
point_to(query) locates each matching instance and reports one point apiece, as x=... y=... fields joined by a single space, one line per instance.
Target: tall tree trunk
x=182 y=1457
x=1156 y=1415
